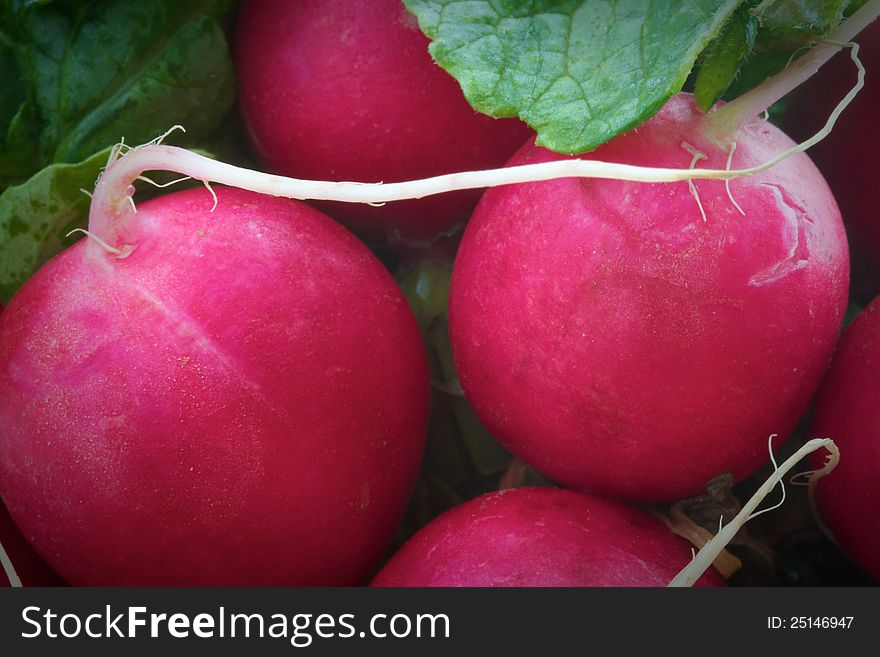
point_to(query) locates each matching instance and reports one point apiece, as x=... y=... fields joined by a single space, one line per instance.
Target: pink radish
x=540 y=537
x=848 y=411
x=219 y=401
x=338 y=90
x=618 y=340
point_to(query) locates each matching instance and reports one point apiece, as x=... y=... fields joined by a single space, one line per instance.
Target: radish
x=540 y=537
x=229 y=397
x=848 y=410
x=555 y=537
x=639 y=340
x=341 y=90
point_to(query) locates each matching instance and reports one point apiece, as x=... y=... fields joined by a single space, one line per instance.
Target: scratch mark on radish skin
x=798 y=256
x=189 y=329
x=781 y=483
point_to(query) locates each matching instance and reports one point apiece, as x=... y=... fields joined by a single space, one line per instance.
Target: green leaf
x=787 y=29
x=578 y=71
x=18 y=133
x=723 y=58
x=19 y=155
x=759 y=67
x=427 y=289
x=36 y=215
x=99 y=71
x=14 y=92
x=791 y=24
x=852 y=311
x=853 y=7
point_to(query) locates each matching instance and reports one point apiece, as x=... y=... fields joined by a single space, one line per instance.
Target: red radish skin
x=848 y=411
x=240 y=401
x=30 y=568
x=842 y=157
x=541 y=537
x=617 y=342
x=339 y=90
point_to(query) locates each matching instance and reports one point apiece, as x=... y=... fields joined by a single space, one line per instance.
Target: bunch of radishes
x=223 y=387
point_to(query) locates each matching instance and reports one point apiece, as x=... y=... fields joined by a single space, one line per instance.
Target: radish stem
x=726 y=120
x=113 y=205
x=11 y=575
x=704 y=558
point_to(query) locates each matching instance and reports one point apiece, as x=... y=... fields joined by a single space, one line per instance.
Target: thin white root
x=162 y=185
x=9 y=569
x=121 y=253
x=704 y=558
x=117 y=151
x=158 y=140
x=727 y=181
x=812 y=480
x=696 y=156
x=693 y=151
x=781 y=482
x=213 y=194
x=122 y=148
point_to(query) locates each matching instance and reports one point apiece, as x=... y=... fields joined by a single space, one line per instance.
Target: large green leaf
x=786 y=30
x=578 y=71
x=36 y=215
x=19 y=155
x=99 y=71
x=724 y=57
x=789 y=24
